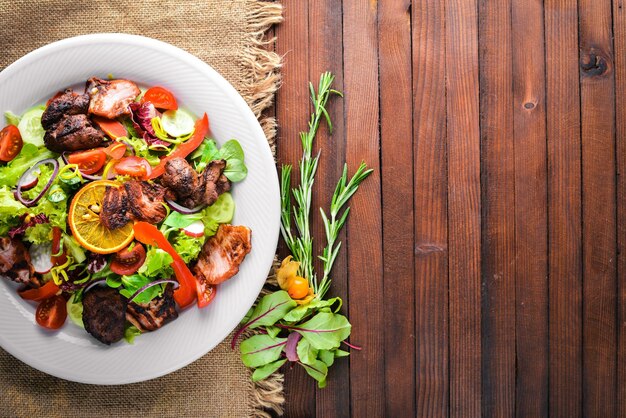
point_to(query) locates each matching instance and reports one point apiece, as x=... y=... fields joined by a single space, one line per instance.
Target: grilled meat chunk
x=68 y=103
x=152 y=316
x=114 y=211
x=15 y=262
x=110 y=98
x=104 y=314
x=222 y=254
x=146 y=201
x=194 y=189
x=138 y=200
x=72 y=133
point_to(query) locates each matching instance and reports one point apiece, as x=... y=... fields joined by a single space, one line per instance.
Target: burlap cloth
x=229 y=35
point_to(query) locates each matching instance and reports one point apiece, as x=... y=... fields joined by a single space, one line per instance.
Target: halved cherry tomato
x=150 y=235
x=186 y=148
x=111 y=127
x=90 y=161
x=161 y=98
x=10 y=143
x=134 y=166
x=56 y=258
x=44 y=292
x=127 y=262
x=59 y=94
x=298 y=287
x=52 y=312
x=206 y=293
x=116 y=150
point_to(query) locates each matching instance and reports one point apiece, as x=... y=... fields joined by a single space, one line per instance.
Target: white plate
x=71 y=353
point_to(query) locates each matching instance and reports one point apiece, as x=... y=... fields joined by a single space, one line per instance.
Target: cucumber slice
x=177 y=123
x=30 y=126
x=222 y=210
x=75 y=312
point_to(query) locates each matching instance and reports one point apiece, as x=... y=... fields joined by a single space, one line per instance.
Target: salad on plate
x=115 y=209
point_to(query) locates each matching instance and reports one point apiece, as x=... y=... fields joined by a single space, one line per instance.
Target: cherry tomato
x=127 y=262
x=10 y=143
x=44 y=292
x=206 y=293
x=134 y=166
x=90 y=161
x=52 y=312
x=56 y=258
x=116 y=150
x=298 y=288
x=111 y=127
x=160 y=98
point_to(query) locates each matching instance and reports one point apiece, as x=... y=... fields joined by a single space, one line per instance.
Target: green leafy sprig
x=308 y=333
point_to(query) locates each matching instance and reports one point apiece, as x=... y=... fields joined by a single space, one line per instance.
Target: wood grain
x=598 y=202
x=463 y=134
x=619 y=42
x=498 y=213
x=564 y=208
x=365 y=264
x=292 y=112
x=431 y=200
x=396 y=137
x=531 y=209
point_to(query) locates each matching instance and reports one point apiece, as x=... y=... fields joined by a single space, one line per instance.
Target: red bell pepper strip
x=44 y=292
x=149 y=234
x=186 y=148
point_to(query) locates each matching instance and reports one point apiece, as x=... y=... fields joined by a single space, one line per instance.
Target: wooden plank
x=598 y=179
x=292 y=112
x=325 y=51
x=498 y=213
x=564 y=207
x=619 y=42
x=365 y=269
x=431 y=205
x=463 y=135
x=531 y=212
x=396 y=115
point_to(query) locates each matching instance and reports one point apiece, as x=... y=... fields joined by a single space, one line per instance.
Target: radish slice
x=195 y=230
x=30 y=180
x=40 y=257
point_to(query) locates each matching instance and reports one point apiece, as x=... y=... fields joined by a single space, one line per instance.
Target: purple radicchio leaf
x=141 y=115
x=96 y=262
x=73 y=276
x=290 y=348
x=35 y=220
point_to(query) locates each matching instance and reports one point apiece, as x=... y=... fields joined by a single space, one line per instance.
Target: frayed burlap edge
x=261 y=80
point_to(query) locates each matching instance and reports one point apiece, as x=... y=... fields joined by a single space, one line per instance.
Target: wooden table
x=483 y=267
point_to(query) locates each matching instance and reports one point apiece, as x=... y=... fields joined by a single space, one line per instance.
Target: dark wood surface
x=483 y=265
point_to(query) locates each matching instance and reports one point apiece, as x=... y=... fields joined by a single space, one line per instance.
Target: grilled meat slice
x=152 y=316
x=114 y=210
x=222 y=254
x=104 y=314
x=182 y=179
x=72 y=133
x=146 y=201
x=110 y=98
x=194 y=189
x=15 y=262
x=68 y=103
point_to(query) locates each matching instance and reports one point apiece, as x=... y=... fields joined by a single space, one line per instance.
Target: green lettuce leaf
x=188 y=247
x=131 y=333
x=157 y=264
x=28 y=156
x=12 y=118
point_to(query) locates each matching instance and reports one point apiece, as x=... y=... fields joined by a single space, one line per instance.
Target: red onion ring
x=92 y=284
x=31 y=203
x=181 y=209
x=154 y=283
x=91 y=177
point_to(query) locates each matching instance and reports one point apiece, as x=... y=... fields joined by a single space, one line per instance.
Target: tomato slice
x=52 y=312
x=127 y=262
x=161 y=98
x=111 y=127
x=90 y=161
x=206 y=293
x=10 y=143
x=116 y=150
x=134 y=166
x=56 y=258
x=44 y=292
x=150 y=235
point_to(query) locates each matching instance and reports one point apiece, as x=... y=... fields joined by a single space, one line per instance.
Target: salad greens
x=290 y=325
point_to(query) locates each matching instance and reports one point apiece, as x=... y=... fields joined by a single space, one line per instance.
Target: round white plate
x=71 y=353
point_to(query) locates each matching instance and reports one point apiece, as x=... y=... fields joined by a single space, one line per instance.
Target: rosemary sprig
x=301 y=244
